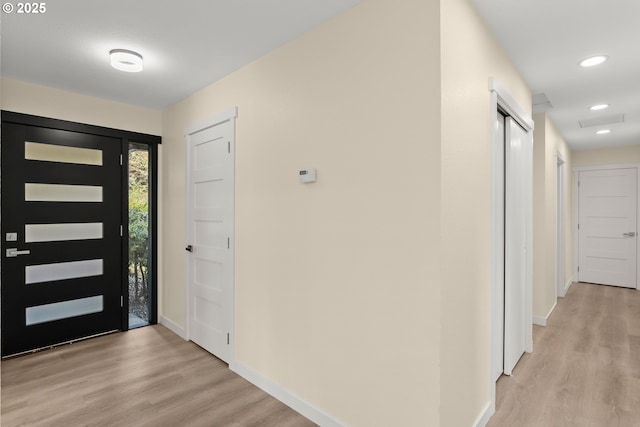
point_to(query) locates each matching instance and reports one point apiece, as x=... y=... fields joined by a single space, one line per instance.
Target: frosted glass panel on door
x=62 y=154
x=62 y=193
x=62 y=232
x=63 y=310
x=63 y=271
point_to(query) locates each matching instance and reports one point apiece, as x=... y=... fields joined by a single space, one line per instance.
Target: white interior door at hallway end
x=210 y=238
x=607 y=233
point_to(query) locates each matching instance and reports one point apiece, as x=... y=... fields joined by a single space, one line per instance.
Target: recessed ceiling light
x=126 y=60
x=594 y=60
x=603 y=131
x=599 y=107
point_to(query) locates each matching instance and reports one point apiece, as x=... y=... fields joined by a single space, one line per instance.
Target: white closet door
x=518 y=152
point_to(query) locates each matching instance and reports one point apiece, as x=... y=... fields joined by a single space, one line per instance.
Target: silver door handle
x=629 y=234
x=14 y=252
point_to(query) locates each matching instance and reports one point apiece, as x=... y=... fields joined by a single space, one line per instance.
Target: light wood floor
x=585 y=367
x=144 y=377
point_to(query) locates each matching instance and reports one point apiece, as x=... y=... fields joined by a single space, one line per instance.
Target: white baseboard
x=542 y=321
x=285 y=396
x=568 y=285
x=486 y=414
x=173 y=327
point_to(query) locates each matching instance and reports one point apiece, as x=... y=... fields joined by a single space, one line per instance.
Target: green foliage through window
x=138 y=235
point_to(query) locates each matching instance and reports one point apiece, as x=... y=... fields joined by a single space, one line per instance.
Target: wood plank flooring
x=144 y=377
x=585 y=368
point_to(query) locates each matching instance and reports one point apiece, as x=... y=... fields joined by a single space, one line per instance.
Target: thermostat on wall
x=308 y=175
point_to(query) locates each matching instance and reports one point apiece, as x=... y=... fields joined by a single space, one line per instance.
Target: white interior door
x=607 y=201
x=210 y=214
x=498 y=318
x=518 y=152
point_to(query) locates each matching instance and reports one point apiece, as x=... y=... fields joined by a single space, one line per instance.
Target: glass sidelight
x=139 y=271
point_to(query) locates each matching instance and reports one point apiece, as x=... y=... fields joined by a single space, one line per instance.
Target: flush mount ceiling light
x=603 y=131
x=599 y=107
x=594 y=60
x=126 y=60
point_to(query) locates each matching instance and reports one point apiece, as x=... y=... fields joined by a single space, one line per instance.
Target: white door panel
x=518 y=153
x=607 y=227
x=210 y=235
x=498 y=365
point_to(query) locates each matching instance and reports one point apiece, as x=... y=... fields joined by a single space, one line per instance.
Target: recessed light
x=599 y=107
x=594 y=60
x=126 y=60
x=603 y=131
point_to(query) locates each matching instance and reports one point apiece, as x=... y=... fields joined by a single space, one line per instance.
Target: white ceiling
x=546 y=39
x=192 y=43
x=186 y=44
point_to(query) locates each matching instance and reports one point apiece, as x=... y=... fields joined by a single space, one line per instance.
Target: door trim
x=502 y=98
x=576 y=211
x=227 y=115
x=561 y=178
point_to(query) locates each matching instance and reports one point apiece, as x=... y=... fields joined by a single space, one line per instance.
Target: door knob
x=629 y=234
x=14 y=252
x=189 y=248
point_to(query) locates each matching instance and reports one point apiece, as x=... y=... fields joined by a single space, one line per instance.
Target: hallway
x=585 y=368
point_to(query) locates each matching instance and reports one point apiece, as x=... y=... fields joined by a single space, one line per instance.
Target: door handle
x=14 y=252
x=629 y=234
x=189 y=248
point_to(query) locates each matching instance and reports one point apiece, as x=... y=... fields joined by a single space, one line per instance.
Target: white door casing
x=210 y=234
x=607 y=226
x=560 y=227
x=518 y=155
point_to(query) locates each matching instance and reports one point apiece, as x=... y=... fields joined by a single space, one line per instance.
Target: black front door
x=61 y=236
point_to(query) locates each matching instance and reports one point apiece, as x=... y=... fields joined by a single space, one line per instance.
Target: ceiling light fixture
x=603 y=131
x=126 y=60
x=594 y=60
x=599 y=107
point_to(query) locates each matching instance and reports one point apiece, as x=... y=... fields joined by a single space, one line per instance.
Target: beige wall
x=27 y=98
x=567 y=155
x=470 y=55
x=607 y=156
x=547 y=144
x=540 y=291
x=337 y=282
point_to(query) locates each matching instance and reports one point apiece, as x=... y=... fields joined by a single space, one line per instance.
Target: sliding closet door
x=518 y=154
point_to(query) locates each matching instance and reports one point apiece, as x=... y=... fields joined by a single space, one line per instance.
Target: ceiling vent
x=602 y=121
x=540 y=103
